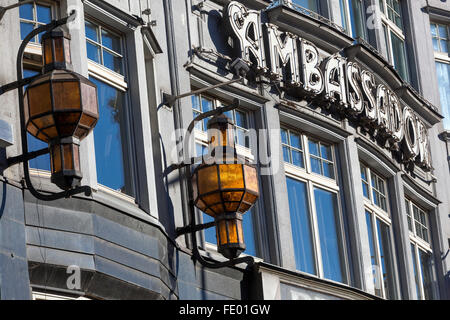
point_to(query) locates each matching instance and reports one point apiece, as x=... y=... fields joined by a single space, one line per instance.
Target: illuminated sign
x=333 y=82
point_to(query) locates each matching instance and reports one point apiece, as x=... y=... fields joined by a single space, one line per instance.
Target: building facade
x=344 y=109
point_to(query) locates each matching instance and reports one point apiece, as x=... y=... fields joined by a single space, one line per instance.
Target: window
x=32 y=16
x=311 y=5
x=419 y=235
x=353 y=18
x=314 y=206
x=376 y=191
x=391 y=17
x=104 y=47
x=241 y=119
x=440 y=37
x=202 y=103
x=111 y=134
x=379 y=232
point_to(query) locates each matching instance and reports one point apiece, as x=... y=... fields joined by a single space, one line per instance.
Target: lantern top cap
x=56 y=33
x=220 y=119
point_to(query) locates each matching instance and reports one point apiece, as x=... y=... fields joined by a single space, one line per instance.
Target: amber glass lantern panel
x=56 y=50
x=65 y=163
x=230 y=237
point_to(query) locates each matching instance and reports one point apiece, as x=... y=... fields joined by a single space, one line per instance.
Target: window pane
x=109 y=136
x=297 y=158
x=443 y=75
x=442 y=31
x=416 y=275
x=327 y=220
x=313 y=148
x=325 y=152
x=93 y=52
x=207 y=105
x=357 y=19
x=444 y=46
x=399 y=54
x=25 y=29
x=384 y=244
x=241 y=119
x=284 y=138
x=210 y=233
x=308 y=4
x=112 y=61
x=286 y=157
x=315 y=165
x=26 y=11
x=301 y=227
x=249 y=232
x=295 y=141
x=425 y=265
x=111 y=41
x=328 y=170
x=44 y=14
x=91 y=31
x=376 y=272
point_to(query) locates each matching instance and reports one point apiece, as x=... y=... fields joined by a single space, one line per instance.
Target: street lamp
x=226 y=188
x=59 y=107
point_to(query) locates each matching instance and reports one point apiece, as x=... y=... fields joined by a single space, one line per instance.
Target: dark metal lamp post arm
x=19 y=85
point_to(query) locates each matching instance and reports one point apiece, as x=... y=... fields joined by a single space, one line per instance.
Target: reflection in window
x=103 y=47
x=307 y=4
x=109 y=138
x=32 y=16
x=301 y=226
x=321 y=158
x=327 y=216
x=352 y=14
x=399 y=56
x=443 y=75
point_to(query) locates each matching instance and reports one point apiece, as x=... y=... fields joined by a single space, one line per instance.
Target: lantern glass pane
x=231 y=176
x=222 y=231
x=66 y=95
x=212 y=199
x=44 y=122
x=51 y=132
x=89 y=98
x=231 y=206
x=39 y=99
x=59 y=49
x=232 y=231
x=251 y=179
x=48 y=55
x=232 y=196
x=57 y=165
x=68 y=154
x=207 y=180
x=218 y=209
x=76 y=157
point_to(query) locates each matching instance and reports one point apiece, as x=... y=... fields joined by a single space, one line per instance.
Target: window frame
x=312 y=181
x=445 y=55
x=378 y=213
x=117 y=81
x=417 y=243
x=392 y=28
x=54 y=10
x=110 y=76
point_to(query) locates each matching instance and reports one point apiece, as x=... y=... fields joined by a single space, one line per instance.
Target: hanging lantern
x=61 y=109
x=226 y=188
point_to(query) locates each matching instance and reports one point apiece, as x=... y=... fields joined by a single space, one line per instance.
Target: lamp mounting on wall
x=59 y=107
